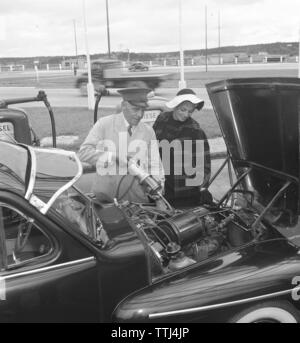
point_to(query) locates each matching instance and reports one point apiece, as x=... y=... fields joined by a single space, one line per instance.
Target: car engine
x=181 y=238
x=178 y=238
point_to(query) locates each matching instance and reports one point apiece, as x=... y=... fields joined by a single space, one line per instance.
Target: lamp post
x=36 y=68
x=219 y=36
x=182 y=83
x=299 y=55
x=76 y=51
x=90 y=86
x=206 y=38
x=107 y=26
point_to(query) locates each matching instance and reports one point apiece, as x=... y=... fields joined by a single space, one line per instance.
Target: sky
x=46 y=28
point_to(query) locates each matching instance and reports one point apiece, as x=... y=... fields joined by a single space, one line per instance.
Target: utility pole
x=90 y=86
x=299 y=55
x=75 y=38
x=206 y=38
x=107 y=26
x=182 y=83
x=219 y=36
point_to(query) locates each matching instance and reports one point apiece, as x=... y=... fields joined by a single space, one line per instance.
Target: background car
x=111 y=74
x=138 y=66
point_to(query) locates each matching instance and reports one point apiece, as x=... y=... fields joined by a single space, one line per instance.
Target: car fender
x=256 y=270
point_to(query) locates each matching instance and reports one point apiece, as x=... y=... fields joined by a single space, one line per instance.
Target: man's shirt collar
x=127 y=124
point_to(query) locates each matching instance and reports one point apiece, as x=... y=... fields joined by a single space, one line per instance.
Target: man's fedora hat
x=135 y=96
x=183 y=95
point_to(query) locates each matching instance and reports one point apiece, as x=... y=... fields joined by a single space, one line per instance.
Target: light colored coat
x=110 y=134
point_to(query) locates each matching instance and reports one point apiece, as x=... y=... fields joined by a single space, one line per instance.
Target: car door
x=45 y=274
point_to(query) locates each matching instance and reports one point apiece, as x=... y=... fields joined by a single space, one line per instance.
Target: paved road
x=72 y=98
x=161 y=69
x=245 y=66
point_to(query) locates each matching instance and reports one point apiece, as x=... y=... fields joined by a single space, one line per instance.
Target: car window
x=23 y=241
x=75 y=208
x=13 y=167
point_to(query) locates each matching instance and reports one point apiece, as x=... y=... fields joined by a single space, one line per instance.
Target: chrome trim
x=34 y=200
x=11 y=207
x=217 y=306
x=32 y=174
x=68 y=184
x=43 y=269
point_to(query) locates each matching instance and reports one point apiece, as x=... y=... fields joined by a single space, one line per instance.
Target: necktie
x=129 y=129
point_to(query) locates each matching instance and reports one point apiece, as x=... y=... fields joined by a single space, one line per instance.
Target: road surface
x=161 y=69
x=60 y=93
x=71 y=97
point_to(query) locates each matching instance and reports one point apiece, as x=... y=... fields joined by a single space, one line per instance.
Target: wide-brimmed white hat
x=185 y=94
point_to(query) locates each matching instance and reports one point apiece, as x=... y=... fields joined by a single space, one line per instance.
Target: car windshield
x=52 y=172
x=73 y=207
x=39 y=175
x=82 y=213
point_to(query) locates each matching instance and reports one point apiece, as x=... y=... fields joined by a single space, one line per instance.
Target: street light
x=90 y=86
x=219 y=36
x=128 y=56
x=76 y=51
x=107 y=25
x=206 y=38
x=299 y=54
x=182 y=83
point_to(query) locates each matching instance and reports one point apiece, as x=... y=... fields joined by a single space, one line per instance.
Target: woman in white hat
x=187 y=160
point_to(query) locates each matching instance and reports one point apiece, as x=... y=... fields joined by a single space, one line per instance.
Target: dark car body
x=138 y=66
x=112 y=74
x=66 y=257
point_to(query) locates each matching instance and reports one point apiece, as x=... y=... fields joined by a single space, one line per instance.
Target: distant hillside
x=279 y=48
x=291 y=49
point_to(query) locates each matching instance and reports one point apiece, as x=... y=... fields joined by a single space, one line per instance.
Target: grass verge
x=78 y=121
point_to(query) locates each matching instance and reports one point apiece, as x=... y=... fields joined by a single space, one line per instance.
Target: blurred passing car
x=112 y=74
x=138 y=66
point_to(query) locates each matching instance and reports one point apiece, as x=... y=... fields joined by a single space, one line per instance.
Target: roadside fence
x=169 y=62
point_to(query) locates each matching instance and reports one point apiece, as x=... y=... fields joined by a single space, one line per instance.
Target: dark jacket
x=169 y=129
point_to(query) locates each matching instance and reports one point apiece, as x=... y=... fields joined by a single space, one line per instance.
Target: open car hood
x=40 y=175
x=259 y=119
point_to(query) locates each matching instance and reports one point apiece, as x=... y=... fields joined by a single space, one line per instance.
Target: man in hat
x=113 y=141
x=187 y=165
